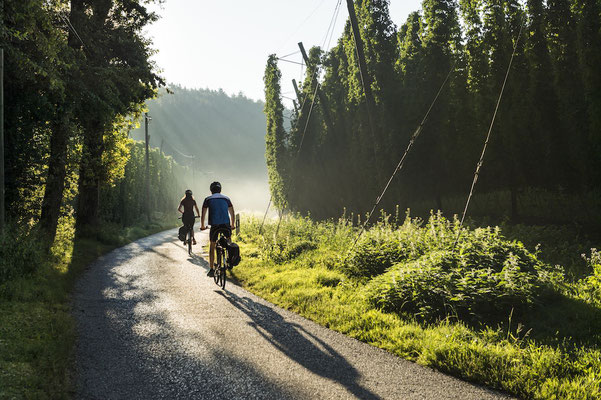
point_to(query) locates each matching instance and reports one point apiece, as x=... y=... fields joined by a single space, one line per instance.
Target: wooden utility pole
x=2 y=206
x=298 y=94
x=322 y=99
x=147 y=137
x=365 y=78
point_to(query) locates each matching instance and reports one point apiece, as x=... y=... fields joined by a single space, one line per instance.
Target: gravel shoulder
x=151 y=325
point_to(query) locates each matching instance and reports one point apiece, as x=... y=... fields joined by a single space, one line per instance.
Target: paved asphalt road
x=151 y=325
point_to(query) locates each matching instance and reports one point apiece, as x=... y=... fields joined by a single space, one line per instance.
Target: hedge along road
x=151 y=325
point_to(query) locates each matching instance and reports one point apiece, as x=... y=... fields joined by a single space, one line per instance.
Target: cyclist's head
x=215 y=187
x=188 y=193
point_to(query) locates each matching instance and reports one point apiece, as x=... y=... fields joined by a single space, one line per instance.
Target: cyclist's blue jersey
x=218 y=206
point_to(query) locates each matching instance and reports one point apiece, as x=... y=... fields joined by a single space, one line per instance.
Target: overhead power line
x=288 y=55
x=301 y=24
x=290 y=61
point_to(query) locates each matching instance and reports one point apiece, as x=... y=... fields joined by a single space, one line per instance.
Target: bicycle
x=188 y=240
x=222 y=262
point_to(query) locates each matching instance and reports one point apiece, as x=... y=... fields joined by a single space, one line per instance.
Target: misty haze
x=218 y=137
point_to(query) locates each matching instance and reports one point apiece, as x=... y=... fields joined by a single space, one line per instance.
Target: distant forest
x=545 y=151
x=224 y=134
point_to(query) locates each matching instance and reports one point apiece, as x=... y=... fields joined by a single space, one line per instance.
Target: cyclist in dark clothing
x=186 y=208
x=219 y=207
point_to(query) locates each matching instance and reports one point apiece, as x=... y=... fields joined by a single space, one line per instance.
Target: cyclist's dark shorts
x=214 y=232
x=188 y=219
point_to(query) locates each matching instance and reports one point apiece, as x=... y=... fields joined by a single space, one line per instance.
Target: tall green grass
x=36 y=327
x=490 y=310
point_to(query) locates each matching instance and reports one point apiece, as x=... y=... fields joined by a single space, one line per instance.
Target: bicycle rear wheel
x=190 y=242
x=222 y=276
x=217 y=275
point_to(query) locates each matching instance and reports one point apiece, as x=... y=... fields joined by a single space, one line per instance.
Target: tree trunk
x=55 y=183
x=90 y=176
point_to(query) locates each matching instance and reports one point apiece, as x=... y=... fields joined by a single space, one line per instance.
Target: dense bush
x=484 y=277
x=385 y=244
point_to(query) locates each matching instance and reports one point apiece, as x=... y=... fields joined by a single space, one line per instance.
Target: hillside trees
x=545 y=135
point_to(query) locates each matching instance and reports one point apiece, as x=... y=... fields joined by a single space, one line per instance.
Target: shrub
x=484 y=279
x=384 y=244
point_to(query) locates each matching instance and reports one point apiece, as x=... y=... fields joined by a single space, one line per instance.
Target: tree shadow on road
x=300 y=345
x=132 y=345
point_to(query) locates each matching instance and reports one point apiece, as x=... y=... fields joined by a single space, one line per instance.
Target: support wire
x=492 y=122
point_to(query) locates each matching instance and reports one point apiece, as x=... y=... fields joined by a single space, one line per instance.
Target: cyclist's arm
x=197 y=212
x=233 y=215
x=180 y=208
x=202 y=218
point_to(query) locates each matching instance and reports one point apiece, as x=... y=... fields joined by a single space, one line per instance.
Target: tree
x=589 y=54
x=35 y=58
x=117 y=77
x=567 y=79
x=441 y=42
x=545 y=128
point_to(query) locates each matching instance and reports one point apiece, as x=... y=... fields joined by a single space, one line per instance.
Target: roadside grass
x=548 y=349
x=37 y=331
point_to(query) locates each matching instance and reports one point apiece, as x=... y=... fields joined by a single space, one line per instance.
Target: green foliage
x=417 y=270
x=546 y=348
x=441 y=285
x=123 y=201
x=544 y=138
x=275 y=138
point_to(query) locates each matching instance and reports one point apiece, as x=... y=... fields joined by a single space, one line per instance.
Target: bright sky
x=224 y=44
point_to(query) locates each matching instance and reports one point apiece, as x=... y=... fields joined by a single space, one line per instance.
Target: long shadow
x=293 y=340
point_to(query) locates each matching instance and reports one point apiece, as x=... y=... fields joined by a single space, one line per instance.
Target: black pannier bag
x=181 y=235
x=233 y=254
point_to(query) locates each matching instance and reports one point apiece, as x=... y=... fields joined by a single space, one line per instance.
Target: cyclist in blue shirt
x=219 y=207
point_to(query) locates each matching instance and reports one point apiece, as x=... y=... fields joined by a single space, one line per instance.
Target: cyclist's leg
x=212 y=254
x=187 y=232
x=213 y=241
